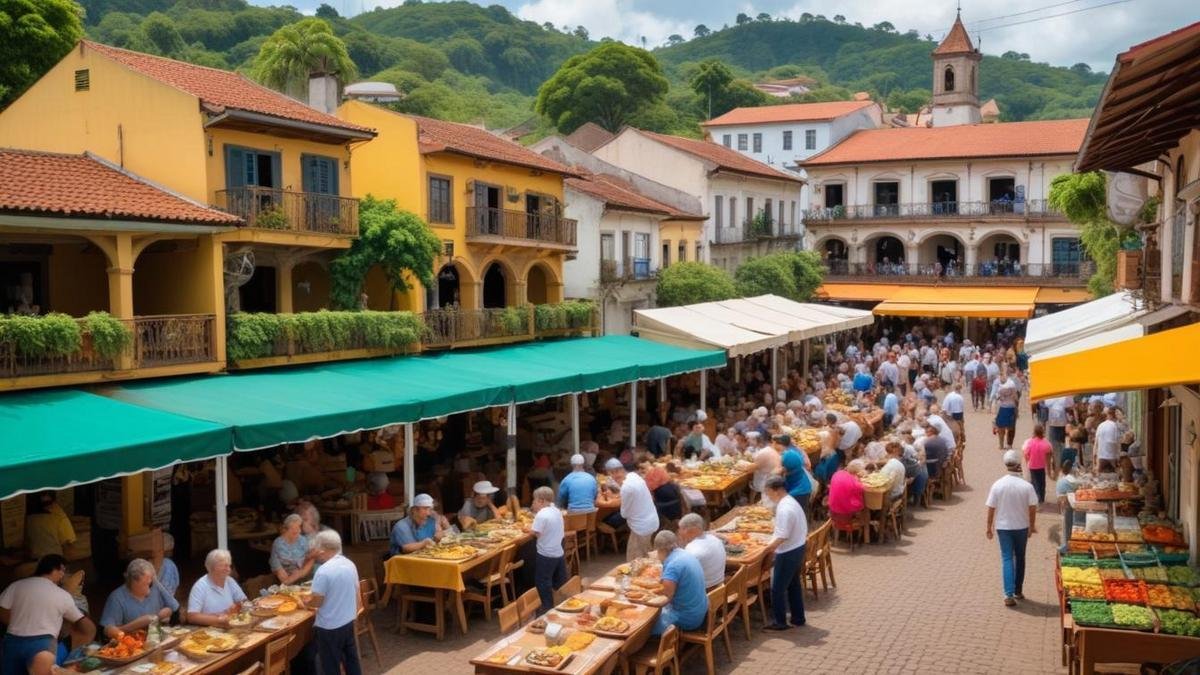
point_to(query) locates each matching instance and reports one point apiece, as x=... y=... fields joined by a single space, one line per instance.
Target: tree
x=884 y=26
x=806 y=17
x=909 y=101
x=808 y=272
x=769 y=275
x=399 y=242
x=710 y=79
x=34 y=35
x=297 y=51
x=326 y=12
x=607 y=85
x=687 y=283
x=1082 y=197
x=1081 y=69
x=1015 y=56
x=466 y=55
x=701 y=31
x=763 y=17
x=581 y=32
x=674 y=39
x=743 y=18
x=839 y=19
x=160 y=30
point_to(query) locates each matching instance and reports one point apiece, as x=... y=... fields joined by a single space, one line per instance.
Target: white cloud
x=616 y=19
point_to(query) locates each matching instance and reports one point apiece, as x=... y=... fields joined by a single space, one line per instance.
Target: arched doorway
x=448 y=289
x=889 y=251
x=537 y=286
x=1000 y=255
x=494 y=287
x=941 y=254
x=837 y=255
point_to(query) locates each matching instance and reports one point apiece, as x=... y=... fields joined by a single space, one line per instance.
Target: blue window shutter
x=235 y=171
x=276 y=178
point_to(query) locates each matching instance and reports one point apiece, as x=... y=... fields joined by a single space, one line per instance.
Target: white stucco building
x=783 y=135
x=752 y=208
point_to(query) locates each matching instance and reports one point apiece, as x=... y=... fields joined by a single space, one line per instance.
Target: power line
x=1053 y=16
x=1028 y=11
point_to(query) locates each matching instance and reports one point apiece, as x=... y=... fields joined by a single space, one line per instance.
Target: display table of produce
x=445 y=566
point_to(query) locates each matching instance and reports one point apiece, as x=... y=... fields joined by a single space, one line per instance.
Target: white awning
x=746 y=325
x=1054 y=331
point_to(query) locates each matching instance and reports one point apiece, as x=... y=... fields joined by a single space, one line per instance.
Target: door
x=252 y=179
x=319 y=176
x=487 y=209
x=943 y=194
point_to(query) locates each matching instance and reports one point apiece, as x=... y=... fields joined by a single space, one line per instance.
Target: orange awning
x=856 y=292
x=1051 y=295
x=1138 y=363
x=1014 y=302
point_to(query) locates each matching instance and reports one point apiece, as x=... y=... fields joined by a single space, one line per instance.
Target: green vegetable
x=1132 y=616
x=1176 y=622
x=1091 y=613
x=1181 y=575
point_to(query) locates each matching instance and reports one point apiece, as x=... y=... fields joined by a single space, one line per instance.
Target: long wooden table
x=721 y=494
x=751 y=556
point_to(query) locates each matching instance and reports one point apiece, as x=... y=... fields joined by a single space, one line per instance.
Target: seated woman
x=290 y=559
x=137 y=602
x=378 y=497
x=215 y=595
x=846 y=494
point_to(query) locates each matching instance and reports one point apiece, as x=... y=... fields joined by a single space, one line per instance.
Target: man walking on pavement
x=1012 y=512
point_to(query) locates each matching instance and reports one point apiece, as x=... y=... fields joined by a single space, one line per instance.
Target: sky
x=1094 y=36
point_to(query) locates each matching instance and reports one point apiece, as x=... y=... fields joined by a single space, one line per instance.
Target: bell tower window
x=948 y=79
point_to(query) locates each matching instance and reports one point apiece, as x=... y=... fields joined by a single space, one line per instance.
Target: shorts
x=1056 y=434
x=1006 y=418
x=20 y=651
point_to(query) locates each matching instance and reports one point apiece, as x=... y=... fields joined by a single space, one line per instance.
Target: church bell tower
x=956 y=79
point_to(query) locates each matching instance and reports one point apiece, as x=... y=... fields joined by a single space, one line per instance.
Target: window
x=83 y=80
x=608 y=247
x=948 y=79
x=319 y=174
x=699 y=252
x=641 y=255
x=742 y=142
x=781 y=214
x=666 y=254
x=1066 y=255
x=835 y=195
x=757 y=142
x=727 y=140
x=719 y=210
x=1002 y=193
x=683 y=251
x=943 y=196
x=749 y=209
x=887 y=198
x=439 y=200
x=247 y=167
x=787 y=140
x=792 y=220
x=810 y=139
x=733 y=211
x=767 y=208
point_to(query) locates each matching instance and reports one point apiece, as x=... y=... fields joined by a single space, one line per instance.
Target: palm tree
x=296 y=52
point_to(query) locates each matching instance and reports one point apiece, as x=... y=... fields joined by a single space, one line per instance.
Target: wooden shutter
x=235 y=167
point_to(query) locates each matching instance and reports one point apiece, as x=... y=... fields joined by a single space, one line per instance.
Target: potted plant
x=105 y=336
x=271 y=218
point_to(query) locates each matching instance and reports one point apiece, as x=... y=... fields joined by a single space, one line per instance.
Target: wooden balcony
x=1001 y=210
x=751 y=231
x=157 y=345
x=284 y=210
x=501 y=226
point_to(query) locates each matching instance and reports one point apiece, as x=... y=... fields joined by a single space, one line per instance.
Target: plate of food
x=453 y=552
x=504 y=654
x=207 y=643
x=554 y=658
x=611 y=625
x=127 y=649
x=537 y=627
x=579 y=640
x=573 y=605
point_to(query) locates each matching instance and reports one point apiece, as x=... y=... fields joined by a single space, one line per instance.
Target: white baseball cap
x=423 y=500
x=577 y=459
x=613 y=464
x=1012 y=458
x=483 y=487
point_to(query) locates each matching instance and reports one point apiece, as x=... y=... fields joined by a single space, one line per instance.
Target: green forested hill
x=465 y=62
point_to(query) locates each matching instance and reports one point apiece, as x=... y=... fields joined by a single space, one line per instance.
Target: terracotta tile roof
x=439 y=136
x=1162 y=41
x=1010 y=139
x=620 y=194
x=725 y=158
x=589 y=137
x=790 y=112
x=82 y=186
x=957 y=41
x=221 y=89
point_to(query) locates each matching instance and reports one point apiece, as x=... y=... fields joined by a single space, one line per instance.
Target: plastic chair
x=658 y=657
x=714 y=628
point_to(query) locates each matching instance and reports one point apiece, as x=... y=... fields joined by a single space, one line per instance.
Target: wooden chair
x=376 y=526
x=812 y=559
x=496 y=577
x=613 y=535
x=945 y=480
x=736 y=593
x=658 y=657
x=277 y=662
x=711 y=631
x=510 y=617
x=959 y=472
x=572 y=586
x=571 y=553
x=575 y=532
x=529 y=603
x=410 y=597
x=368 y=592
x=849 y=525
x=763 y=584
x=589 y=536
x=633 y=644
x=893 y=520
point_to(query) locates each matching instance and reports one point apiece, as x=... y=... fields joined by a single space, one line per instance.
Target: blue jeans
x=548 y=575
x=19 y=652
x=337 y=650
x=1012 y=559
x=787 y=586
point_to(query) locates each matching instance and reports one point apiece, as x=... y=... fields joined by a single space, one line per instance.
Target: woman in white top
x=215 y=595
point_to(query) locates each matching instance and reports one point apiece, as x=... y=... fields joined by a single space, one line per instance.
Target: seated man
x=420 y=528
x=479 y=508
x=577 y=491
x=683 y=586
x=936 y=450
x=709 y=550
x=137 y=602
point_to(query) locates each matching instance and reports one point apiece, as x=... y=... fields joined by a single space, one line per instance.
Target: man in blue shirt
x=420 y=528
x=335 y=597
x=577 y=492
x=683 y=585
x=891 y=409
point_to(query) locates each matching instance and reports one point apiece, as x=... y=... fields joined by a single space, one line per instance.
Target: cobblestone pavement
x=929 y=604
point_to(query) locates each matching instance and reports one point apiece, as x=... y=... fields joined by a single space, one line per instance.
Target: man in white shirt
x=34 y=610
x=889 y=373
x=953 y=403
x=894 y=470
x=787 y=541
x=904 y=364
x=637 y=508
x=1108 y=442
x=336 y=598
x=1012 y=514
x=1056 y=427
x=709 y=550
x=550 y=566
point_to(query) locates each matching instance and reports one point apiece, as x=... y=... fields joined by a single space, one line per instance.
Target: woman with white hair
x=290 y=559
x=137 y=602
x=215 y=595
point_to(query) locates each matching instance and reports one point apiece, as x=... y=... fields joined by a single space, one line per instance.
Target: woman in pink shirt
x=846 y=491
x=1037 y=449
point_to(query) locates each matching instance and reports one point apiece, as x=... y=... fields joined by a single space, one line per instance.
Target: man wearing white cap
x=479 y=508
x=420 y=528
x=577 y=491
x=637 y=508
x=1012 y=512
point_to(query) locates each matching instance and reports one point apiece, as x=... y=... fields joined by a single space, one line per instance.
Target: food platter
x=128 y=649
x=611 y=626
x=208 y=643
x=450 y=553
x=552 y=658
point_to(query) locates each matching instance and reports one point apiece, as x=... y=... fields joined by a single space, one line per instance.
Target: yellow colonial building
x=496 y=206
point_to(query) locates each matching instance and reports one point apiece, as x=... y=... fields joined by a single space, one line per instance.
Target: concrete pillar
x=1189 y=248
x=575 y=422
x=283 y=287
x=972 y=258
x=120 y=289
x=632 y=415
x=212 y=257
x=704 y=390
x=774 y=370
x=911 y=255
x=1166 y=242
x=222 y=502
x=554 y=292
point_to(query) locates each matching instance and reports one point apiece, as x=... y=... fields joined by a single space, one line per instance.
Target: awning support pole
x=575 y=422
x=662 y=390
x=774 y=370
x=632 y=414
x=804 y=366
x=222 y=505
x=510 y=464
x=704 y=390
x=737 y=370
x=410 y=470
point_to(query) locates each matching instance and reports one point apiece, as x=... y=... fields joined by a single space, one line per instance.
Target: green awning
x=53 y=439
x=294 y=404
